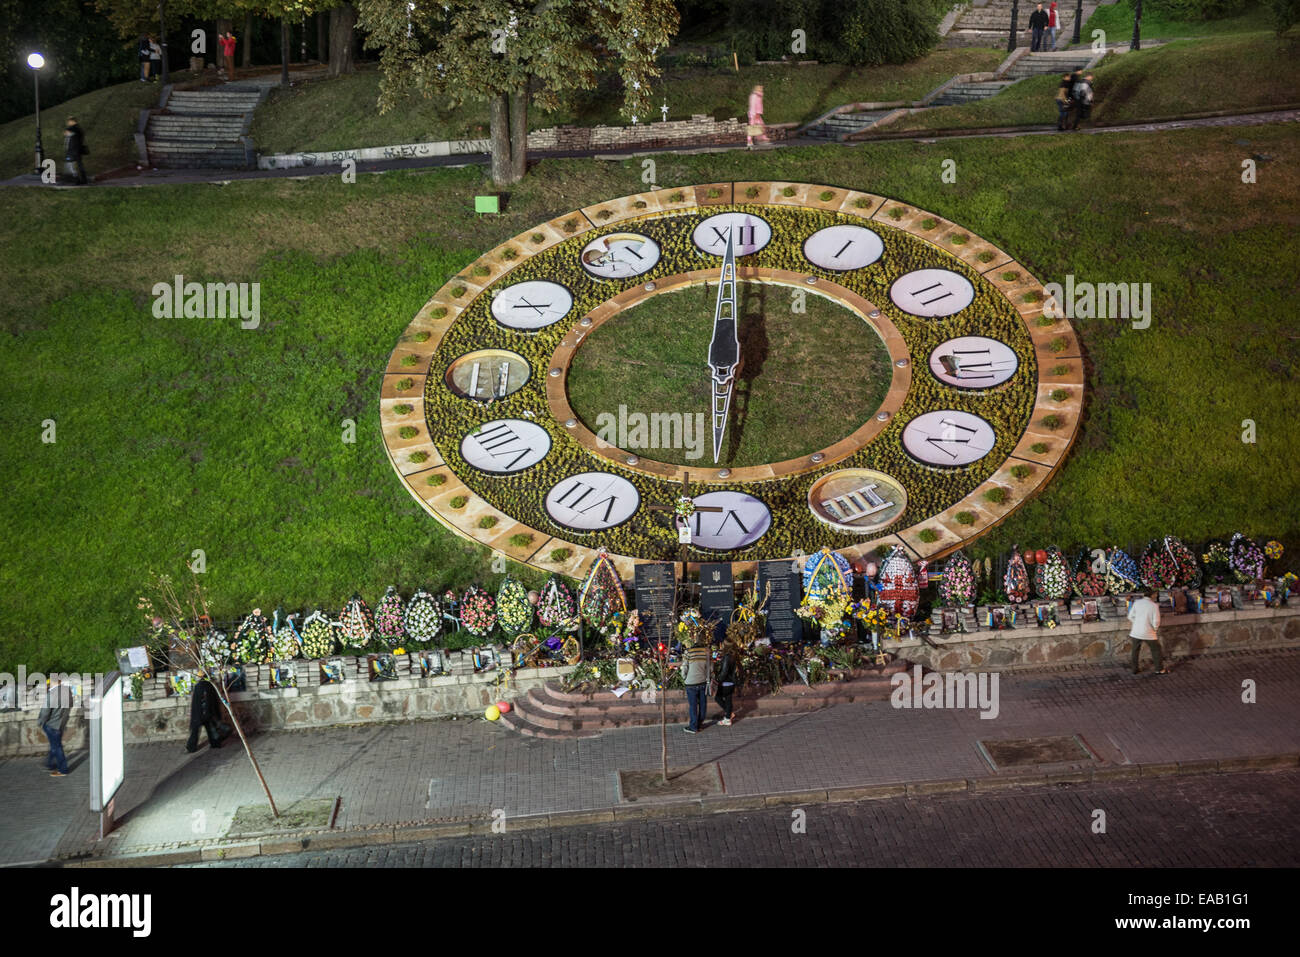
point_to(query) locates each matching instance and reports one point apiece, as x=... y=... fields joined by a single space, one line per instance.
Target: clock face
x=620 y=255
x=531 y=305
x=974 y=395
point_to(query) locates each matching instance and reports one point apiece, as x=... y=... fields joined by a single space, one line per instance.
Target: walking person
x=155 y=58
x=695 y=674
x=1081 y=94
x=142 y=51
x=1053 y=24
x=756 y=125
x=53 y=719
x=1037 y=23
x=728 y=672
x=74 y=151
x=228 y=54
x=1063 y=102
x=1145 y=616
x=204 y=707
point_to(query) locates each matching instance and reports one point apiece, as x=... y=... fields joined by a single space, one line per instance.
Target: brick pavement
x=463 y=770
x=1228 y=820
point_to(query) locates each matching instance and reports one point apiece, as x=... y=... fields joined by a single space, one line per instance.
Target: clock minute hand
x=724 y=347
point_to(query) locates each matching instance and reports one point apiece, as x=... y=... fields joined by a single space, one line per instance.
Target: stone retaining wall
x=1072 y=643
x=162 y=717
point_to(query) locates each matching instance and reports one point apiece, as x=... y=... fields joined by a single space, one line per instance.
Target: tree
x=183 y=637
x=508 y=54
x=342 y=33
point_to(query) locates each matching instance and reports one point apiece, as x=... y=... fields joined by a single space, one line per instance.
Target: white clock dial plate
x=948 y=438
x=619 y=255
x=532 y=304
x=505 y=446
x=932 y=293
x=843 y=247
x=743 y=520
x=973 y=362
x=592 y=501
x=752 y=233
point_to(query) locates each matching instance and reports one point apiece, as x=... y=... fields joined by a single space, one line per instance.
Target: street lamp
x=1078 y=21
x=1015 y=15
x=1137 y=28
x=36 y=61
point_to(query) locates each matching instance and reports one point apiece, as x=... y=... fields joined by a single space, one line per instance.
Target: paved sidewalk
x=438 y=771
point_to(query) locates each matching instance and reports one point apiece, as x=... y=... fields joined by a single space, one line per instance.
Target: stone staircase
x=550 y=712
x=201 y=128
x=969 y=92
x=837 y=126
x=986 y=24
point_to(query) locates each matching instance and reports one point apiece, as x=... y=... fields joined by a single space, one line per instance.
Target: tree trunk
x=343 y=21
x=162 y=41
x=502 y=167
x=322 y=37
x=518 y=135
x=222 y=695
x=248 y=40
x=284 y=51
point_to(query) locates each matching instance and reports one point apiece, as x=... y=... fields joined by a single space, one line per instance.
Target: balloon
x=534 y=597
x=1028 y=556
x=492 y=712
x=1040 y=556
x=503 y=707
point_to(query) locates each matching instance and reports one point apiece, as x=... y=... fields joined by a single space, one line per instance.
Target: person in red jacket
x=228 y=53
x=1053 y=24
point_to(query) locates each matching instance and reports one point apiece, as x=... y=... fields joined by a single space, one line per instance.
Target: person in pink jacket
x=1053 y=24
x=755 y=127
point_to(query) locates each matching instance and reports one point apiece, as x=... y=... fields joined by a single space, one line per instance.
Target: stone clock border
x=899 y=384
x=1056 y=346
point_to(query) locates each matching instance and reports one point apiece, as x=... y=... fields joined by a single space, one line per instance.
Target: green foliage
x=1195 y=10
x=853 y=32
x=458 y=501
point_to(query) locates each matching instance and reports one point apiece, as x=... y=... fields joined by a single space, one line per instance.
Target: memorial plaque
x=781 y=587
x=717 y=597
x=656 y=588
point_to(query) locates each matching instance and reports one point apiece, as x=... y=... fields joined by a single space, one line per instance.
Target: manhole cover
x=699 y=780
x=1035 y=752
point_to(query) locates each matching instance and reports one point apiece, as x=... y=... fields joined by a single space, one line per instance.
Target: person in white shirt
x=1145 y=616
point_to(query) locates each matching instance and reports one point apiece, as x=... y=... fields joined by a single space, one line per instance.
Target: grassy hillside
x=177 y=434
x=1186 y=76
x=1117 y=20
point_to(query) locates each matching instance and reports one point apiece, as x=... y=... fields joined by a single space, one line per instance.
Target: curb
x=295 y=842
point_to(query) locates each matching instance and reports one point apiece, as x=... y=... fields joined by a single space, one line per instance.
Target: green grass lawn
x=341 y=113
x=800 y=388
x=1117 y=20
x=183 y=434
x=1186 y=76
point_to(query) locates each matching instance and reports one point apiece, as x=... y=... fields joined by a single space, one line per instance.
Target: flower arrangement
x=602 y=592
x=478 y=611
x=557 y=608
x=1086 y=582
x=871 y=618
x=286 y=644
x=1217 y=561
x=684 y=507
x=423 y=618
x=317 y=636
x=827 y=609
x=388 y=618
x=1157 y=567
x=252 y=641
x=898 y=588
x=514 y=610
x=1051 y=577
x=1273 y=550
x=1286 y=584
x=1189 y=573
x=957 y=586
x=1247 y=559
x=356 y=622
x=1122 y=573
x=1016 y=581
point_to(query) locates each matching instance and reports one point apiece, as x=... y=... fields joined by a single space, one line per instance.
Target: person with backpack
x=728 y=678
x=74 y=149
x=1063 y=102
x=1037 y=23
x=1081 y=93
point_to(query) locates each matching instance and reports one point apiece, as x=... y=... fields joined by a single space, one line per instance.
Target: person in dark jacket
x=74 y=149
x=728 y=678
x=204 y=708
x=1038 y=23
x=1063 y=101
x=142 y=52
x=53 y=719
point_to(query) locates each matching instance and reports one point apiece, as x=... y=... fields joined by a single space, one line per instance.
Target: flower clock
x=509 y=404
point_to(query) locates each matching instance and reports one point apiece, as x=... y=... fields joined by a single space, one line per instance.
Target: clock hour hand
x=724 y=347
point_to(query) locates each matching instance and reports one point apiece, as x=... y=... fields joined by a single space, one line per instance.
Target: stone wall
x=1071 y=643
x=163 y=717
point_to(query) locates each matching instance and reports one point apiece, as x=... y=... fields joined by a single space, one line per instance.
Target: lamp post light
x=1137 y=27
x=1078 y=21
x=36 y=61
x=1015 y=16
